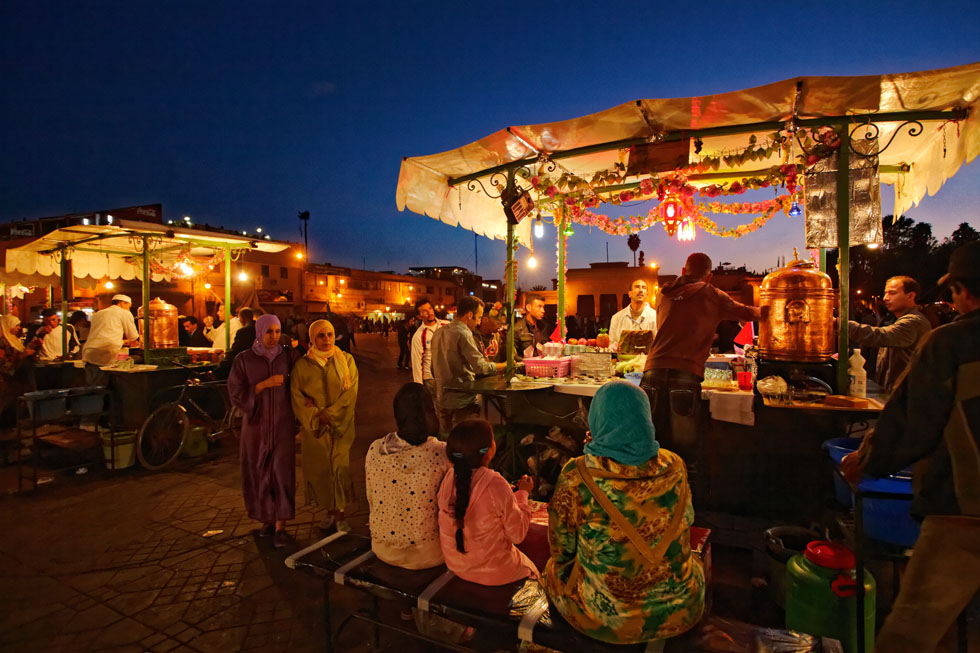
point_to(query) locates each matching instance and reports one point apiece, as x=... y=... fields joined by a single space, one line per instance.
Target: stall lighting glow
x=686 y=232
x=342 y=282
x=859 y=291
x=243 y=277
x=207 y=286
x=795 y=211
x=187 y=218
x=339 y=295
x=85 y=221
x=322 y=282
x=109 y=285
x=538 y=228
x=299 y=255
x=258 y=230
x=409 y=287
x=186 y=270
x=872 y=245
x=109 y=219
x=531 y=262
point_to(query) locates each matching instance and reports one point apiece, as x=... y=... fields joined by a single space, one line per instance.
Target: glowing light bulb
x=872 y=245
x=109 y=285
x=795 y=211
x=531 y=262
x=299 y=255
x=207 y=286
x=186 y=270
x=242 y=277
x=538 y=228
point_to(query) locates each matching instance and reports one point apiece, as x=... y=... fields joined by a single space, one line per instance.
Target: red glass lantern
x=671 y=214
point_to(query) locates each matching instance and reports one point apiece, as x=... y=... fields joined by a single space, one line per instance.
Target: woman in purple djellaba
x=258 y=387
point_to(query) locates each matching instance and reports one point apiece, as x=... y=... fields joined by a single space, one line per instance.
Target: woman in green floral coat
x=623 y=572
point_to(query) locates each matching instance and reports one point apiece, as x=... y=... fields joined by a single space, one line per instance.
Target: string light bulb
x=243 y=277
x=207 y=286
x=538 y=228
x=532 y=262
x=109 y=285
x=569 y=231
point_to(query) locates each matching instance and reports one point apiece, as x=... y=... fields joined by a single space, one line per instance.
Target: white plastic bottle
x=857 y=375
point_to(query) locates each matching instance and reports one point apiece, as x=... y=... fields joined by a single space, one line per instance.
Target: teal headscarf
x=619 y=419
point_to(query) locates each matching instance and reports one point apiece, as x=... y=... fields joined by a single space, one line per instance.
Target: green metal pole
x=147 y=336
x=562 y=242
x=823 y=259
x=65 y=289
x=511 y=266
x=844 y=256
x=227 y=297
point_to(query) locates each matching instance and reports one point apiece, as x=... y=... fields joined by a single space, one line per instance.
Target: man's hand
x=500 y=367
x=850 y=468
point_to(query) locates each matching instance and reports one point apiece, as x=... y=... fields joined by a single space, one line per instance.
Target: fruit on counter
x=591 y=342
x=573 y=341
x=602 y=340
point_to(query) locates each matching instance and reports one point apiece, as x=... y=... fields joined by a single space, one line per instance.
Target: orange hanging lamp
x=671 y=214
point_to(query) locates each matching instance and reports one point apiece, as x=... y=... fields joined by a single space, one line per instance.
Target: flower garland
x=627 y=225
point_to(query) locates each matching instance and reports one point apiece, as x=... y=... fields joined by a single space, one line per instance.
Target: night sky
x=244 y=113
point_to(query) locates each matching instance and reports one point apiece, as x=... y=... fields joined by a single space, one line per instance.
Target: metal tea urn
x=800 y=325
x=163 y=324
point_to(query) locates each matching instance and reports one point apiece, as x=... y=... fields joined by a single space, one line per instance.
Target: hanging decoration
x=185 y=266
x=671 y=213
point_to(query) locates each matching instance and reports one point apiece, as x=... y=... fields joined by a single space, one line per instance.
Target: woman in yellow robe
x=324 y=392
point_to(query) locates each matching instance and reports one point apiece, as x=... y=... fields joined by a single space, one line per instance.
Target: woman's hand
x=273 y=381
x=525 y=483
x=850 y=467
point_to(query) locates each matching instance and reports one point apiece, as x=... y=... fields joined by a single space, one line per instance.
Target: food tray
x=554 y=367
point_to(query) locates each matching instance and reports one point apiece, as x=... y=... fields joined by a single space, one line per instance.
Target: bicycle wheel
x=162 y=435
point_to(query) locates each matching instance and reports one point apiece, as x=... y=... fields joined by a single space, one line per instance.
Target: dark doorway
x=585 y=306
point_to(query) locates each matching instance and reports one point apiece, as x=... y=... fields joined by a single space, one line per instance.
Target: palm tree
x=634 y=244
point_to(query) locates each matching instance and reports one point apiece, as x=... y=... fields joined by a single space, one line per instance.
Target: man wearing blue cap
x=933 y=421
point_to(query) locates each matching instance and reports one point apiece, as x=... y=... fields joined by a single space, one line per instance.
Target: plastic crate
x=45 y=405
x=545 y=367
x=86 y=401
x=885 y=520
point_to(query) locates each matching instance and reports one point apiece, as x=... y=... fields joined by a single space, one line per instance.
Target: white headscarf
x=9 y=323
x=321 y=358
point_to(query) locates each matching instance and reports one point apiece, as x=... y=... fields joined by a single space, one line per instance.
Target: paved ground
x=169 y=561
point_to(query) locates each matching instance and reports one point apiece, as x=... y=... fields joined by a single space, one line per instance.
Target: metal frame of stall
x=63 y=254
x=841 y=124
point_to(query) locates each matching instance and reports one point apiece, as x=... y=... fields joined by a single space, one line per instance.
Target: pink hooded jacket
x=496 y=520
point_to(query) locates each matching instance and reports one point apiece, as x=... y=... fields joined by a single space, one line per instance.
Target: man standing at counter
x=457 y=359
x=897 y=341
x=933 y=421
x=530 y=330
x=638 y=316
x=50 y=333
x=111 y=328
x=688 y=312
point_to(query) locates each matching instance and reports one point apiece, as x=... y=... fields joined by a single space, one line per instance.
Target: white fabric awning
x=931 y=157
x=115 y=251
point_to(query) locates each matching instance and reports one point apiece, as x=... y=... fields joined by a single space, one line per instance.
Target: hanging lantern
x=671 y=214
x=686 y=232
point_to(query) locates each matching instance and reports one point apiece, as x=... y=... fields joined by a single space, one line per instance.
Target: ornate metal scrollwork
x=472 y=186
x=872 y=131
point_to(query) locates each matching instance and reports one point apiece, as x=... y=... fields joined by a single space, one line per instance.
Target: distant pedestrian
x=404 y=334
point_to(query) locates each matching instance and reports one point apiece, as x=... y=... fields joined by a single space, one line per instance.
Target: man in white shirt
x=111 y=328
x=638 y=316
x=422 y=345
x=50 y=334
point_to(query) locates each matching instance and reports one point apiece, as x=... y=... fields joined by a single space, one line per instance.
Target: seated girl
x=403 y=471
x=481 y=520
x=621 y=568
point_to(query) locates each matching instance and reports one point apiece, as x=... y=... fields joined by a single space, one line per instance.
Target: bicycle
x=165 y=430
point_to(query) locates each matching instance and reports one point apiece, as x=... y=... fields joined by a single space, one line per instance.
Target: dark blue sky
x=244 y=113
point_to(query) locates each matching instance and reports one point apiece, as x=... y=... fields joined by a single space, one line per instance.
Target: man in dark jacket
x=933 y=421
x=244 y=338
x=688 y=312
x=530 y=330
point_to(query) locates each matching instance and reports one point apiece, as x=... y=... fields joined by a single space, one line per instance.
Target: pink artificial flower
x=736 y=188
x=646 y=186
x=551 y=192
x=625 y=196
x=576 y=211
x=811 y=159
x=570 y=201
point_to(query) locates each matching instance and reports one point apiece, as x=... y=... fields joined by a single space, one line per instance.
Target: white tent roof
x=115 y=251
x=423 y=182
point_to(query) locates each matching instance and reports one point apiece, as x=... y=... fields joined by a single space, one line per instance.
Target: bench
x=516 y=611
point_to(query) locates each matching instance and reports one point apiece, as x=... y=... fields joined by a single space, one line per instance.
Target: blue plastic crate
x=44 y=405
x=886 y=520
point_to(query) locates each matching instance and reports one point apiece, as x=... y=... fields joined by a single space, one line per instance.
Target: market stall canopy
x=916 y=158
x=115 y=251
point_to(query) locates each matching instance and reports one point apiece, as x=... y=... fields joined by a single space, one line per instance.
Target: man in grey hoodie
x=689 y=310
